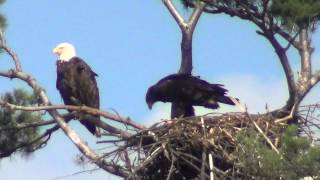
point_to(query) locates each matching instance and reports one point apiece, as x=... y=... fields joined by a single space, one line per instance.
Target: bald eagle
x=185 y=91
x=76 y=82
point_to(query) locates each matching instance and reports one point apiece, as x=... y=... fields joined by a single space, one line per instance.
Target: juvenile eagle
x=76 y=82
x=185 y=91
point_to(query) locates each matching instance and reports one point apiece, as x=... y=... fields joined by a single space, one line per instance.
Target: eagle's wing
x=66 y=84
x=87 y=89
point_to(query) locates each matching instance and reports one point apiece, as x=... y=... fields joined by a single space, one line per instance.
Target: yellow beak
x=55 y=50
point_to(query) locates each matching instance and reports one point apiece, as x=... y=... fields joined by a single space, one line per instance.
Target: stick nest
x=185 y=148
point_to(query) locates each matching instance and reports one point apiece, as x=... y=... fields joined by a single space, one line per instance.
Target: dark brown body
x=77 y=85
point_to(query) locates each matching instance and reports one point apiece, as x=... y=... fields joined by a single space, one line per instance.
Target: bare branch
x=280 y=51
x=291 y=42
x=93 y=111
x=76 y=173
x=10 y=52
x=85 y=149
x=174 y=12
x=286 y=36
x=194 y=18
x=86 y=109
x=187 y=29
x=187 y=36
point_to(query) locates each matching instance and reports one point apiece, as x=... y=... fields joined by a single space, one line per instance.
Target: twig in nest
x=171 y=170
x=190 y=163
x=287 y=118
x=148 y=160
x=204 y=157
x=211 y=167
x=265 y=137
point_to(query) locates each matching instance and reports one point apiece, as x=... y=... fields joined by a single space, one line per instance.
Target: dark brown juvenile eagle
x=185 y=91
x=76 y=82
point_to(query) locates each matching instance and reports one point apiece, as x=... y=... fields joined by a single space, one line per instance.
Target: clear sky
x=131 y=45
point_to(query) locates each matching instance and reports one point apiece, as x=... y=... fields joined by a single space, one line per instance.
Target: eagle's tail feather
x=89 y=123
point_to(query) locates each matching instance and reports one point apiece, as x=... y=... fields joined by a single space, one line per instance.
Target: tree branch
x=86 y=109
x=174 y=12
x=93 y=111
x=305 y=57
x=315 y=78
x=280 y=51
x=187 y=29
x=46 y=134
x=20 y=126
x=194 y=18
x=10 y=52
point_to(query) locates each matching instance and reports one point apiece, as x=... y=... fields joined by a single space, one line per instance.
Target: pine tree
x=300 y=13
x=14 y=138
x=298 y=158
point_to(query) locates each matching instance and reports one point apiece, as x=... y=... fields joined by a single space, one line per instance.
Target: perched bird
x=76 y=82
x=185 y=91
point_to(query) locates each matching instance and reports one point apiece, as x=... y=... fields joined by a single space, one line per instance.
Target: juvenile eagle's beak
x=150 y=105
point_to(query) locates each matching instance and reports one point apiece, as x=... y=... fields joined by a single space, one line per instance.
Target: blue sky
x=131 y=45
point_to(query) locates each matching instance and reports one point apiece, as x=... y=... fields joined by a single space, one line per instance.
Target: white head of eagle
x=65 y=51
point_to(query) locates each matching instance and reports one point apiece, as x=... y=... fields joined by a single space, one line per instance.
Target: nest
x=200 y=147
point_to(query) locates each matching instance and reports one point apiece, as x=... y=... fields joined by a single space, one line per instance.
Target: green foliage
x=297 y=157
x=12 y=137
x=256 y=158
x=292 y=14
x=303 y=13
x=3 y=22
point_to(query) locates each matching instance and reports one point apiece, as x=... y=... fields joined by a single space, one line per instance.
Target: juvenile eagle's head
x=151 y=97
x=65 y=51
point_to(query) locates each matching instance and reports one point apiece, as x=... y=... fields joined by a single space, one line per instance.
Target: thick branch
x=187 y=29
x=280 y=51
x=84 y=148
x=305 y=57
x=186 y=53
x=187 y=36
